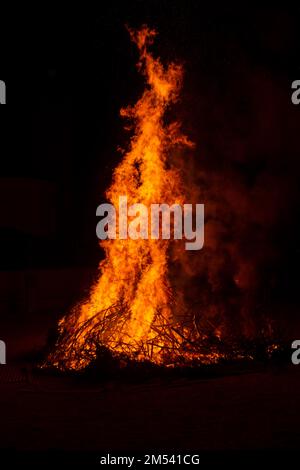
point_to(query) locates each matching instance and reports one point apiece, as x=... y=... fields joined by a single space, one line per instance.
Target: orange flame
x=133 y=291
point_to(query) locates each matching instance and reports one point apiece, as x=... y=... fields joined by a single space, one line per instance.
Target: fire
x=132 y=308
x=132 y=298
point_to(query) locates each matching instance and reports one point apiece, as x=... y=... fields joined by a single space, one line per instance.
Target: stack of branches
x=187 y=340
x=183 y=341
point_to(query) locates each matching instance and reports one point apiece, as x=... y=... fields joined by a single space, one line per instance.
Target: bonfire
x=133 y=310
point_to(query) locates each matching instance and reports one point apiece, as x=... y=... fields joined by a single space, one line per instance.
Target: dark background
x=69 y=71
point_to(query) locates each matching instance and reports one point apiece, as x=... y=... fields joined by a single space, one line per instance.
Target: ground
x=252 y=411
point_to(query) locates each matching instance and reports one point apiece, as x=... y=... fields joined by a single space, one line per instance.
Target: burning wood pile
x=133 y=309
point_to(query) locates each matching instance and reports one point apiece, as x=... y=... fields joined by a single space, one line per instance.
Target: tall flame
x=130 y=303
